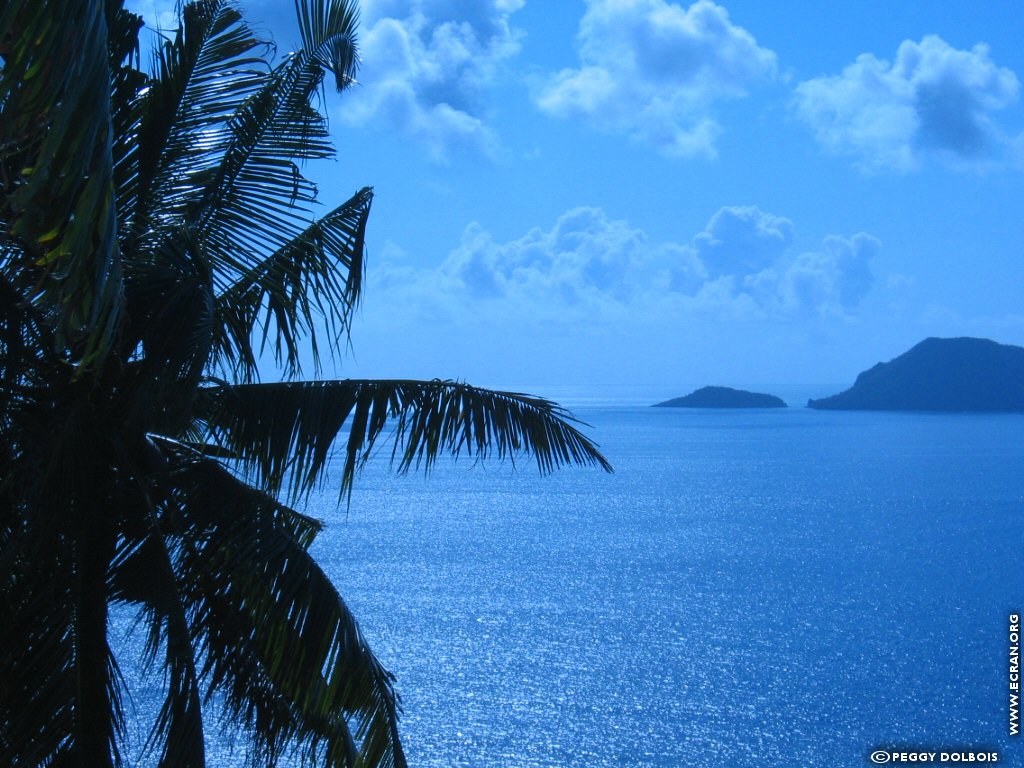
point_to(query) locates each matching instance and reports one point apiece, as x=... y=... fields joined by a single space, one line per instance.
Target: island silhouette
x=959 y=374
x=723 y=397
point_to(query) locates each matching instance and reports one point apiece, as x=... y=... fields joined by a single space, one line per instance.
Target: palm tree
x=157 y=238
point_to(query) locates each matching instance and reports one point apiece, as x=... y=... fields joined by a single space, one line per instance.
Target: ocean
x=750 y=588
x=772 y=588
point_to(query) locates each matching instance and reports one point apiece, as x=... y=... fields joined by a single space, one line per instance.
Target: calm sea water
x=762 y=588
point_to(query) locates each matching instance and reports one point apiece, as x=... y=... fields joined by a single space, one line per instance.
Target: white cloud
x=931 y=100
x=750 y=253
x=585 y=259
x=830 y=281
x=742 y=240
x=654 y=70
x=425 y=67
x=743 y=264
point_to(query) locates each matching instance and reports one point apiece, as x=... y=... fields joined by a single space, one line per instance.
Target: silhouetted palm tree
x=156 y=238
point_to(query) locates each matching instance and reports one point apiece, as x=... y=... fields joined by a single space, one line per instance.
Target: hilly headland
x=959 y=374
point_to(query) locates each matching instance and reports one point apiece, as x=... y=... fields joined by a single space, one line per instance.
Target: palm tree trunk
x=97 y=714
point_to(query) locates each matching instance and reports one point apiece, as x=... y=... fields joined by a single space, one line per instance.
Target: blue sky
x=621 y=193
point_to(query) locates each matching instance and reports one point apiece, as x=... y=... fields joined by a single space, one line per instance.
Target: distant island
x=723 y=397
x=962 y=374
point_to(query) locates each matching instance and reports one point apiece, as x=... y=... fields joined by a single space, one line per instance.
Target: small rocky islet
x=723 y=397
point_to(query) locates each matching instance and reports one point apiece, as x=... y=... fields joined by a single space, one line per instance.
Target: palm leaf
x=56 y=140
x=254 y=212
x=201 y=78
x=256 y=199
x=26 y=346
x=143 y=574
x=60 y=702
x=278 y=641
x=286 y=430
x=317 y=277
x=127 y=81
x=36 y=655
x=328 y=29
x=170 y=326
x=257 y=183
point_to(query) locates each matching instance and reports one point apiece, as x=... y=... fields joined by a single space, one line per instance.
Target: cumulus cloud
x=654 y=70
x=832 y=280
x=425 y=67
x=742 y=264
x=584 y=258
x=749 y=254
x=742 y=240
x=931 y=100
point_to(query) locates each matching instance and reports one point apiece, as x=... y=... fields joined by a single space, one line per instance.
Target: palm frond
x=257 y=198
x=26 y=346
x=36 y=653
x=278 y=641
x=328 y=29
x=142 y=574
x=55 y=561
x=201 y=77
x=56 y=155
x=60 y=700
x=315 y=278
x=127 y=81
x=284 y=432
x=256 y=204
x=170 y=325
